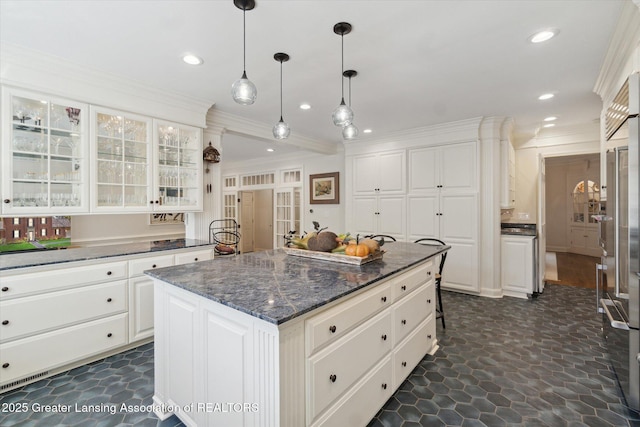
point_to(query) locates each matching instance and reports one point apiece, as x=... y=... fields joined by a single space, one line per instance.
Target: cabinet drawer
x=336 y=321
x=30 y=315
x=37 y=354
x=404 y=284
x=333 y=370
x=194 y=256
x=138 y=266
x=412 y=350
x=361 y=404
x=32 y=283
x=408 y=313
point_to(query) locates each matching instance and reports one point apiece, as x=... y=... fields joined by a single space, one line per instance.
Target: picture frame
x=163 y=218
x=324 y=188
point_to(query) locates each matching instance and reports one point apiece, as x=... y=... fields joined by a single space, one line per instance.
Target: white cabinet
x=177 y=168
x=379 y=215
x=45 y=154
x=379 y=173
x=584 y=240
x=122 y=161
x=518 y=265
x=443 y=168
x=507 y=175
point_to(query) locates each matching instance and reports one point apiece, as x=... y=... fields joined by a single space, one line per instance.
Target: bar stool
x=384 y=236
x=443 y=258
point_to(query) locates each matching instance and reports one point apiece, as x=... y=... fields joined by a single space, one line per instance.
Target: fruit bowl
x=335 y=257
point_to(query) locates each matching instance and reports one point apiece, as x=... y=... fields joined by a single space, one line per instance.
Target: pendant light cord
x=244 y=40
x=281 y=90
x=342 y=70
x=349 y=91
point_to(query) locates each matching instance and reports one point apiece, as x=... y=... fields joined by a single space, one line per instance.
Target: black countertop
x=277 y=287
x=36 y=258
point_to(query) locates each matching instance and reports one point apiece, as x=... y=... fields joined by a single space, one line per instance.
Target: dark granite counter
x=277 y=287
x=45 y=257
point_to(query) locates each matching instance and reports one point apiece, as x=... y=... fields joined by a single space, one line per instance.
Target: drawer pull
x=333 y=378
x=109 y=273
x=109 y=335
x=429 y=301
x=5 y=289
x=429 y=336
x=404 y=364
x=403 y=287
x=383 y=299
x=403 y=321
x=332 y=328
x=384 y=337
x=428 y=273
x=153 y=266
x=5 y=322
x=195 y=259
x=109 y=300
x=5 y=365
x=384 y=386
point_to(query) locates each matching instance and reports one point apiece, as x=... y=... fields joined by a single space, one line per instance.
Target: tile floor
x=501 y=362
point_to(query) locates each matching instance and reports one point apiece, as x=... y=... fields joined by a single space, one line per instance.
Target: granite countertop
x=36 y=258
x=277 y=287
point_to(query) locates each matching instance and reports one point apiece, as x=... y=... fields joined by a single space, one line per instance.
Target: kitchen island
x=272 y=339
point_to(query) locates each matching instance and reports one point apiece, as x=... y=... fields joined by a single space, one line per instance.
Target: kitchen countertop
x=277 y=287
x=36 y=258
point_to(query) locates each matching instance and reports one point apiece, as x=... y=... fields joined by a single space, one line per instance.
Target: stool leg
x=440 y=303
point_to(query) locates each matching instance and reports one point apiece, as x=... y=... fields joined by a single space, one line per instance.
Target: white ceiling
x=419 y=63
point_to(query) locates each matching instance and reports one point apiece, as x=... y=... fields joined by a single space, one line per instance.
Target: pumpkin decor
x=357 y=249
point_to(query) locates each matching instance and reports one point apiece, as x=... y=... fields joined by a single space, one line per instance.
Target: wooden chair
x=443 y=258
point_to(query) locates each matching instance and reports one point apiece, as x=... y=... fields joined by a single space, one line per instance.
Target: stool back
x=435 y=242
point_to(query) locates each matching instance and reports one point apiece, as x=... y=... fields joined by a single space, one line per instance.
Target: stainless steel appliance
x=618 y=292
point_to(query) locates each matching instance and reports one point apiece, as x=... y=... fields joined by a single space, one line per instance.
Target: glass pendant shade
x=281 y=130
x=244 y=91
x=342 y=115
x=350 y=131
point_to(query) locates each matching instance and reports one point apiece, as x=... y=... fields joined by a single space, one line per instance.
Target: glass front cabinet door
x=122 y=153
x=178 y=168
x=44 y=154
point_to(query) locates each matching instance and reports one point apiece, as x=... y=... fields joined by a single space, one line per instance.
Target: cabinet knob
x=333 y=378
x=429 y=336
x=156 y=202
x=403 y=287
x=429 y=301
x=332 y=328
x=109 y=273
x=428 y=273
x=383 y=299
x=403 y=321
x=404 y=364
x=5 y=289
x=5 y=365
x=109 y=335
x=195 y=259
x=7 y=200
x=384 y=337
x=384 y=386
x=109 y=299
x=5 y=322
x=150 y=202
x=153 y=266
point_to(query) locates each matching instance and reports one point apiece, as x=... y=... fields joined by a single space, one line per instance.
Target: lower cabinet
x=334 y=366
x=519 y=270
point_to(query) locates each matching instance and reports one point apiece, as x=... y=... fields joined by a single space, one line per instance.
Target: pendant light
x=281 y=130
x=349 y=131
x=243 y=90
x=343 y=114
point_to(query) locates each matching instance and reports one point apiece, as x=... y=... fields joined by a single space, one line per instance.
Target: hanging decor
x=342 y=115
x=243 y=90
x=349 y=131
x=281 y=129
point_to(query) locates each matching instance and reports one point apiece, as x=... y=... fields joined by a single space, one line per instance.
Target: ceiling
x=419 y=63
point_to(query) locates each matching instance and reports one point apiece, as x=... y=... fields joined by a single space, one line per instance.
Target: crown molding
x=618 y=64
x=226 y=122
x=38 y=71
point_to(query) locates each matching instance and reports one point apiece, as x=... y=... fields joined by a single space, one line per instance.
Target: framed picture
x=324 y=188
x=166 y=218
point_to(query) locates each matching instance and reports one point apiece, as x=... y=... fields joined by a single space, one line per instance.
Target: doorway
x=256 y=220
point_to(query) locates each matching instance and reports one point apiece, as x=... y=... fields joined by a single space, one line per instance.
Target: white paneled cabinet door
x=391 y=214
x=178 y=168
x=517 y=265
x=364 y=215
x=423 y=170
x=121 y=160
x=458 y=170
x=459 y=228
x=45 y=156
x=379 y=173
x=140 y=308
x=422 y=216
x=365 y=174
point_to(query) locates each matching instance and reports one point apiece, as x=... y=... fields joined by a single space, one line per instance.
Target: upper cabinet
x=443 y=168
x=45 y=154
x=379 y=173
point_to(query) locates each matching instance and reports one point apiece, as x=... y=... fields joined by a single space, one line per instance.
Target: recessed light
x=271 y=150
x=549 y=125
x=192 y=59
x=546 y=96
x=367 y=131
x=543 y=36
x=305 y=106
x=550 y=119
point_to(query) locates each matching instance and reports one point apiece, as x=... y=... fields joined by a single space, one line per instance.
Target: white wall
x=109 y=229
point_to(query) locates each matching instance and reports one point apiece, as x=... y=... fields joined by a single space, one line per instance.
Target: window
x=30 y=222
x=57 y=231
x=16 y=221
x=16 y=234
x=43 y=220
x=43 y=232
x=586 y=201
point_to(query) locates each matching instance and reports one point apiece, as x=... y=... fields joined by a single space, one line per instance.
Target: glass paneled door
x=288 y=214
x=179 y=168
x=44 y=154
x=123 y=158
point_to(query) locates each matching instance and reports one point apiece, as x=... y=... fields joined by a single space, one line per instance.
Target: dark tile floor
x=501 y=362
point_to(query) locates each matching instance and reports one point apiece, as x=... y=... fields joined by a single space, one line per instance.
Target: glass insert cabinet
x=63 y=157
x=45 y=160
